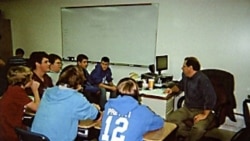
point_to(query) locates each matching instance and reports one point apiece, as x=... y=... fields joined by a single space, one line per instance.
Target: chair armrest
x=180 y=102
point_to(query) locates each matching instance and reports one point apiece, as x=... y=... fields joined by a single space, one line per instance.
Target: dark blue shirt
x=100 y=76
x=199 y=92
x=89 y=84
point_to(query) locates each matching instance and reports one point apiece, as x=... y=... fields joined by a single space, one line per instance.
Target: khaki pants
x=195 y=132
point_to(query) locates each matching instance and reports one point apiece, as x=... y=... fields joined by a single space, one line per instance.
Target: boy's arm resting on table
x=34 y=104
x=96 y=106
x=98 y=116
x=157 y=122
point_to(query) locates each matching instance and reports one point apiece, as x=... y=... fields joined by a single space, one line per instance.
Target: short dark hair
x=53 y=58
x=19 y=51
x=105 y=59
x=192 y=61
x=80 y=57
x=36 y=56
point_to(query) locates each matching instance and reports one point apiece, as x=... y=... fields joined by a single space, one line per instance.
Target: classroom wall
x=215 y=31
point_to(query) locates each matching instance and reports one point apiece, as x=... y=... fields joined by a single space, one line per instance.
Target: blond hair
x=127 y=86
x=19 y=75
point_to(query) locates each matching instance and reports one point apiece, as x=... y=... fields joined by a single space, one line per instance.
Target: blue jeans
x=91 y=88
x=103 y=98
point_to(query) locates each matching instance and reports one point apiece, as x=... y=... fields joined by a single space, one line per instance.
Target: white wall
x=215 y=31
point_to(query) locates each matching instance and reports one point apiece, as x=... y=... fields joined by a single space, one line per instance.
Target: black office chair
x=246 y=112
x=244 y=133
x=27 y=120
x=87 y=134
x=25 y=135
x=223 y=84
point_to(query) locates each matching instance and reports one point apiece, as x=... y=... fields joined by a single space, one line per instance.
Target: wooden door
x=5 y=39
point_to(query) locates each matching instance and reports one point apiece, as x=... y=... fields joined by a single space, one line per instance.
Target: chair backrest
x=25 y=135
x=27 y=119
x=246 y=112
x=223 y=83
x=243 y=134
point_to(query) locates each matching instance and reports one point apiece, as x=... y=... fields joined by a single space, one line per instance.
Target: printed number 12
x=118 y=129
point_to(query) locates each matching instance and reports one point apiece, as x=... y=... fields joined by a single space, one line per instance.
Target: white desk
x=160 y=103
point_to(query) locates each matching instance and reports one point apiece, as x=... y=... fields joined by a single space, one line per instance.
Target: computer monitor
x=161 y=63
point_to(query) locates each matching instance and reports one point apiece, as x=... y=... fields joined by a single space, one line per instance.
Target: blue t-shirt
x=124 y=119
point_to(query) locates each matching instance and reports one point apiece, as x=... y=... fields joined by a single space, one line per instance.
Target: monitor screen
x=161 y=63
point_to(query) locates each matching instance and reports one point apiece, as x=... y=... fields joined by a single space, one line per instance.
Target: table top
x=82 y=123
x=161 y=134
x=87 y=123
x=29 y=112
x=157 y=135
x=155 y=93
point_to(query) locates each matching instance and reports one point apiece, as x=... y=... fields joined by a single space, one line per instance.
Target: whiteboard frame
x=140 y=53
